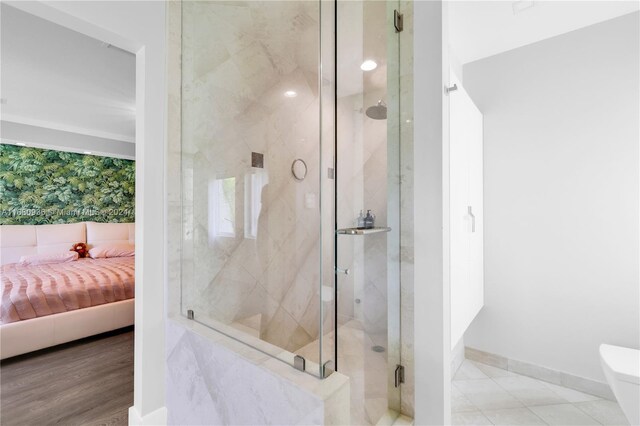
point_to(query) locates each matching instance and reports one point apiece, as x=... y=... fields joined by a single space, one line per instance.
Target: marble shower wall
x=362 y=185
x=213 y=379
x=251 y=236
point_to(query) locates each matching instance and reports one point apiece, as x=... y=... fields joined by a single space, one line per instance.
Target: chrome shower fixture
x=377 y=112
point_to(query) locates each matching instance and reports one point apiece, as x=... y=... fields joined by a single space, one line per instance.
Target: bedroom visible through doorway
x=67 y=223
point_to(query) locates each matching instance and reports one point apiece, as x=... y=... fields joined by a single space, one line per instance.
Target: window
x=254 y=184
x=222 y=207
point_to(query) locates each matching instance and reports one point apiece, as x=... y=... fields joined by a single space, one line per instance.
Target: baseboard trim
x=155 y=418
x=556 y=377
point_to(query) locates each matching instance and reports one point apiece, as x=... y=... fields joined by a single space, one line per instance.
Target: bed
x=46 y=305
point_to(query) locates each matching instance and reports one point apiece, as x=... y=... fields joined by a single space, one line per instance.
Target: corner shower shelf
x=362 y=231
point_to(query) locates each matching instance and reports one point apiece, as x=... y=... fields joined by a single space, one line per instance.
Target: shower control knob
x=343 y=271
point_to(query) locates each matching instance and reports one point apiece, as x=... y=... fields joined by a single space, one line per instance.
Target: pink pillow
x=113 y=250
x=43 y=259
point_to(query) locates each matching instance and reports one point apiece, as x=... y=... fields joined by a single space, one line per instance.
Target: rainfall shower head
x=377 y=112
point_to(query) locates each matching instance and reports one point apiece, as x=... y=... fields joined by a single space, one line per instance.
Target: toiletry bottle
x=360 y=220
x=369 y=220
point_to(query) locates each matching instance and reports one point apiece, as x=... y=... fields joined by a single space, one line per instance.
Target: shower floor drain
x=377 y=348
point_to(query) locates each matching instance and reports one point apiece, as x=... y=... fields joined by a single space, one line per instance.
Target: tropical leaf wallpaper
x=40 y=186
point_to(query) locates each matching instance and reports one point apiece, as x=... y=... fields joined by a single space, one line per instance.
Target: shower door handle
x=473 y=218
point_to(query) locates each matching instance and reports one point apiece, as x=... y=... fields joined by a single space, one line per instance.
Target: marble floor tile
x=486 y=394
x=513 y=416
x=563 y=415
x=459 y=402
x=468 y=371
x=606 y=412
x=388 y=418
x=475 y=418
x=403 y=420
x=505 y=397
x=375 y=408
x=529 y=391
x=570 y=394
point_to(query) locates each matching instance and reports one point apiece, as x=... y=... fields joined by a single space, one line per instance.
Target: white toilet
x=622 y=368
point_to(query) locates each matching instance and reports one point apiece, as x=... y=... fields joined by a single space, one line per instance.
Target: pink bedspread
x=37 y=291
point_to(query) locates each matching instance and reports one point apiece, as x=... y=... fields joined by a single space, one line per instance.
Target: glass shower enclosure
x=290 y=147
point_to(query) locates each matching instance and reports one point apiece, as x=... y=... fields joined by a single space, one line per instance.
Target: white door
x=466 y=245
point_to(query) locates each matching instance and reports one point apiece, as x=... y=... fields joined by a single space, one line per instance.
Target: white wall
x=483 y=28
x=46 y=138
x=429 y=169
x=137 y=26
x=64 y=90
x=561 y=197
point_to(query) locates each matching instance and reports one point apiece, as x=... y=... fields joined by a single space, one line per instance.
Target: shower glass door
x=290 y=143
x=367 y=206
x=257 y=205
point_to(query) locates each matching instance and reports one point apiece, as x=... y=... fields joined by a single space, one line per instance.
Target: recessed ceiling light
x=21 y=144
x=290 y=93
x=87 y=152
x=368 y=65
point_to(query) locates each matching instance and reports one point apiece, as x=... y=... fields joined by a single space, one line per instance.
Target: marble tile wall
x=212 y=379
x=374 y=172
x=350 y=202
x=362 y=186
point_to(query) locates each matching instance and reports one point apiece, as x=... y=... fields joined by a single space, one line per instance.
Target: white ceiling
x=56 y=78
x=479 y=29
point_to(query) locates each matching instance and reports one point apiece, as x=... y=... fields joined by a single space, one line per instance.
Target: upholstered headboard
x=100 y=233
x=24 y=240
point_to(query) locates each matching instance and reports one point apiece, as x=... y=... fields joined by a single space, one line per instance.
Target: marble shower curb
x=212 y=378
x=545 y=374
